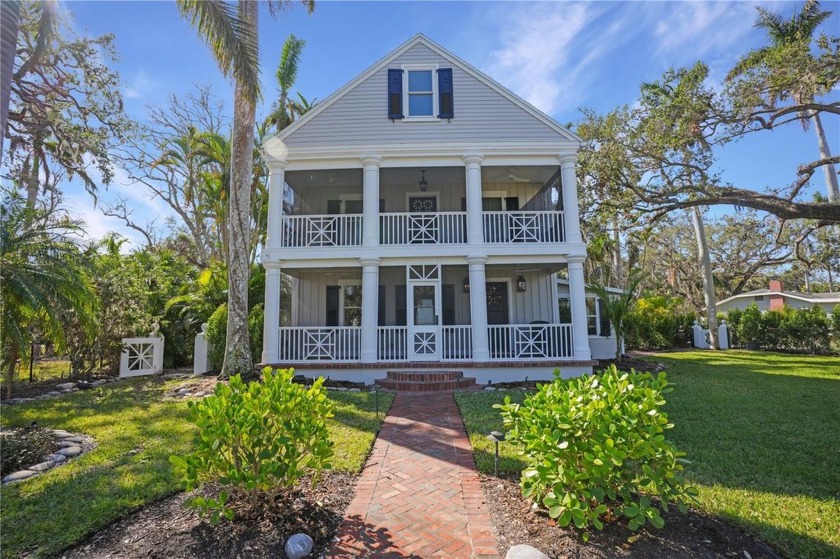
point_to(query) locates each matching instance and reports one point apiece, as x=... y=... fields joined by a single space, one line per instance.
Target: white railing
x=524 y=227
x=423 y=228
x=530 y=341
x=457 y=343
x=320 y=343
x=392 y=343
x=322 y=230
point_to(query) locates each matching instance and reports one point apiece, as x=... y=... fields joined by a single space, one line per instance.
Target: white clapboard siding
x=360 y=115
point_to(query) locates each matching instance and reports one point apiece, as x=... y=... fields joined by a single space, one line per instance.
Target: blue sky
x=560 y=56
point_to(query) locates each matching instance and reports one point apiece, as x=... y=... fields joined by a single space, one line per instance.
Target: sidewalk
x=419 y=494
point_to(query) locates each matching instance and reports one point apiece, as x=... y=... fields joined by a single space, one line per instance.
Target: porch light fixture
x=521 y=286
x=467 y=284
x=424 y=184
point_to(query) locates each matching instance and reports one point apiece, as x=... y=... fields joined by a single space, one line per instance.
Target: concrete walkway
x=419 y=494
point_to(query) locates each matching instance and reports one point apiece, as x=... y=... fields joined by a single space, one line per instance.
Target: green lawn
x=136 y=429
x=762 y=431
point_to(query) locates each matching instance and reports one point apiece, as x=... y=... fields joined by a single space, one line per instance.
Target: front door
x=424 y=315
x=423 y=222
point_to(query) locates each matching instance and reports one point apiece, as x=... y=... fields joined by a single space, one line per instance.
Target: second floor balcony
x=440 y=228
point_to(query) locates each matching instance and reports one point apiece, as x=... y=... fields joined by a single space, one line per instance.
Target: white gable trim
x=421 y=39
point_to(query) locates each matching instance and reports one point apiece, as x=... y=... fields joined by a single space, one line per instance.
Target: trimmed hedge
x=787 y=329
x=658 y=323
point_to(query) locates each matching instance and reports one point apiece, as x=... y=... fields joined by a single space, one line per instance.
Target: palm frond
x=232 y=40
x=287 y=70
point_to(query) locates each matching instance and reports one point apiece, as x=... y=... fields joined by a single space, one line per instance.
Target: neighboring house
x=776 y=298
x=428 y=213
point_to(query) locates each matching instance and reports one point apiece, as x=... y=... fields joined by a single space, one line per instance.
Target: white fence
x=702 y=340
x=457 y=343
x=423 y=228
x=524 y=227
x=392 y=343
x=531 y=341
x=141 y=356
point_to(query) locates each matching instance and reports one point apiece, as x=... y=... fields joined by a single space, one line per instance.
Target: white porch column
x=370 y=308
x=570 y=198
x=577 y=296
x=478 y=307
x=370 y=200
x=276 y=184
x=271 y=323
x=475 y=228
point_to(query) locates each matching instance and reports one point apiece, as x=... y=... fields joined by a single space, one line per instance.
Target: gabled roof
x=807 y=297
x=420 y=39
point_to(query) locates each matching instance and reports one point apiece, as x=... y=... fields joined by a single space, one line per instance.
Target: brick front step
x=425 y=381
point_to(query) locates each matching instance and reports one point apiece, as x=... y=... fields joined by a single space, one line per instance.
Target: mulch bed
x=627 y=363
x=167 y=529
x=693 y=535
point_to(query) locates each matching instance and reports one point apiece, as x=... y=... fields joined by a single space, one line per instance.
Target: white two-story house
x=429 y=220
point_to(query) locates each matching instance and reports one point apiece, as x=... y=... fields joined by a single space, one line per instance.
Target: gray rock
x=24 y=474
x=56 y=458
x=82 y=385
x=42 y=467
x=67 y=443
x=298 y=546
x=341 y=389
x=75 y=439
x=489 y=389
x=66 y=385
x=53 y=394
x=184 y=391
x=523 y=551
x=70 y=451
x=17 y=400
x=61 y=433
x=354 y=390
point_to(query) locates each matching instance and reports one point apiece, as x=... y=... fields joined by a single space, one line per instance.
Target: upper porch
x=517 y=204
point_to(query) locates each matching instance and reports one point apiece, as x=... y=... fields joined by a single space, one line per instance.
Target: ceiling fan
x=516 y=178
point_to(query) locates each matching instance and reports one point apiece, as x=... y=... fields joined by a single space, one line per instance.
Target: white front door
x=423 y=299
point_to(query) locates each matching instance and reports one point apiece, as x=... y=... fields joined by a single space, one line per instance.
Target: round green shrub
x=256 y=440
x=596 y=445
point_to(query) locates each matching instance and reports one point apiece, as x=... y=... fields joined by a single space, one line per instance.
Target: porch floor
x=419 y=494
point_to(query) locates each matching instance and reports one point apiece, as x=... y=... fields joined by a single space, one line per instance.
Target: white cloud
x=140 y=87
x=696 y=29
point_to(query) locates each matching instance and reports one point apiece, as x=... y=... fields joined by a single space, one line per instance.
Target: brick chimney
x=777 y=302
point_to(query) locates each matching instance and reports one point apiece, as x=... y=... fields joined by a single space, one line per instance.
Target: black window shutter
x=447 y=105
x=605 y=322
x=381 y=319
x=448 y=300
x=333 y=207
x=332 y=305
x=400 y=314
x=395 y=97
x=512 y=204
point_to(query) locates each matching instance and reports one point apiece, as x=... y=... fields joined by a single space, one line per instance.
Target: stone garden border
x=72 y=445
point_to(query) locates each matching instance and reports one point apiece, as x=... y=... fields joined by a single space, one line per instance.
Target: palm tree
x=41 y=280
x=231 y=31
x=283 y=111
x=616 y=306
x=795 y=33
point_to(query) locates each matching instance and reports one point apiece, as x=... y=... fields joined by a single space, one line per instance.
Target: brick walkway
x=419 y=494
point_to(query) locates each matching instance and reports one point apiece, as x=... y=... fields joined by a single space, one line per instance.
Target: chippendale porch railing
x=320 y=343
x=524 y=227
x=531 y=341
x=438 y=228
x=506 y=342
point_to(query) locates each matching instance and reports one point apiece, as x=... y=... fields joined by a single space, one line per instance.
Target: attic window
x=421 y=93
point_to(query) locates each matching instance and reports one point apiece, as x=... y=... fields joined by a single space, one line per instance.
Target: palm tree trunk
x=8 y=41
x=237 y=345
x=616 y=254
x=825 y=152
x=708 y=280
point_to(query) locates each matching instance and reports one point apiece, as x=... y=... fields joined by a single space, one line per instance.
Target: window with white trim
x=351 y=305
x=595 y=324
x=420 y=91
x=592 y=318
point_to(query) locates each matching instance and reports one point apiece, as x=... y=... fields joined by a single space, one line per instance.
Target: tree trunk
x=708 y=280
x=616 y=254
x=237 y=344
x=8 y=41
x=10 y=367
x=825 y=152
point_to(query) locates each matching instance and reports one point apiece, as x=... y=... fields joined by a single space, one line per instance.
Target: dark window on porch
x=399 y=302
x=332 y=305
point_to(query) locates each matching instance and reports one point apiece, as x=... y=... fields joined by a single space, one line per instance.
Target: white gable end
x=483 y=112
